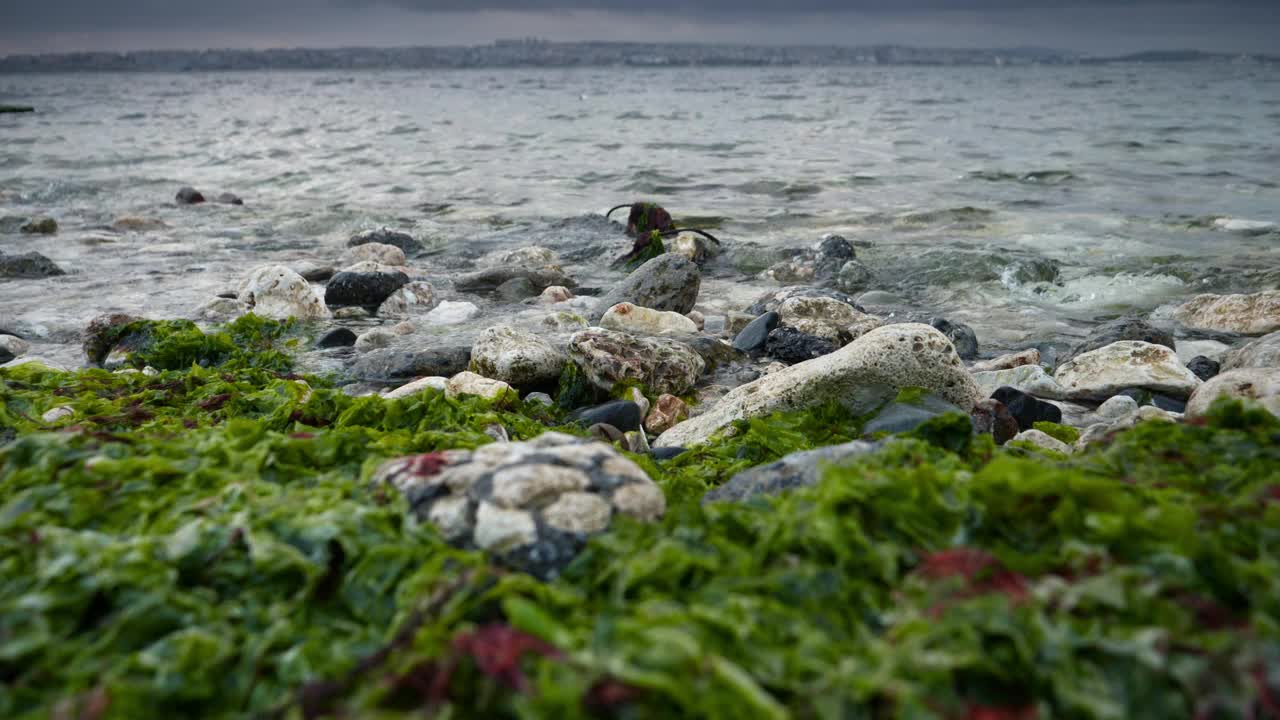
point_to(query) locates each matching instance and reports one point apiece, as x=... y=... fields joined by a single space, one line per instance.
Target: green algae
x=1064 y=433
x=204 y=542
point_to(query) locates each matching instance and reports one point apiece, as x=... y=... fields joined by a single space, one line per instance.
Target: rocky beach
x=655 y=463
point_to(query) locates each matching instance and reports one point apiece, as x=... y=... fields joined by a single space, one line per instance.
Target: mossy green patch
x=1064 y=433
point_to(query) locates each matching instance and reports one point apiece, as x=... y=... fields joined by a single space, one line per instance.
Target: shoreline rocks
x=516 y=357
x=626 y=317
x=276 y=292
x=608 y=357
x=1099 y=374
x=382 y=236
x=1253 y=314
x=362 y=289
x=668 y=282
x=1259 y=385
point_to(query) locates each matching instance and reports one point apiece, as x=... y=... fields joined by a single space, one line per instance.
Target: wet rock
x=1044 y=441
x=391 y=365
x=799 y=469
x=899 y=417
x=314 y=272
x=960 y=335
x=531 y=505
x=752 y=338
x=275 y=291
x=772 y=299
x=1212 y=349
x=28 y=265
x=667 y=282
x=337 y=337
x=1101 y=432
x=1117 y=407
x=1203 y=367
x=1099 y=374
x=735 y=322
x=227 y=198
x=606 y=433
x=375 y=252
x=405 y=327
x=826 y=318
x=562 y=322
x=699 y=320
x=555 y=294
x=220 y=310
x=693 y=247
x=489 y=280
x=1259 y=385
x=667 y=412
x=635 y=442
x=1008 y=362
x=1263 y=352
x=634 y=395
x=374 y=339
x=435 y=382
x=406 y=242
x=366 y=290
x=624 y=415
x=533 y=256
x=992 y=417
x=469 y=383
x=893 y=357
x=854 y=277
x=1121 y=329
x=102 y=334
x=132 y=223
x=667 y=453
x=1030 y=272
x=449 y=312
x=1031 y=379
x=189 y=196
x=517 y=289
x=1027 y=410
x=661 y=365
x=540 y=398
x=878 y=297
x=792 y=346
x=715 y=352
x=629 y=318
x=12 y=347
x=517 y=357
x=400 y=303
x=351 y=313
x=53 y=415
x=40 y=226
x=1254 y=314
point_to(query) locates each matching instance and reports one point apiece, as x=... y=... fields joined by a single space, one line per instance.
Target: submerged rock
x=1099 y=374
x=406 y=242
x=40 y=226
x=391 y=365
x=792 y=346
x=961 y=336
x=799 y=469
x=337 y=337
x=516 y=356
x=489 y=280
x=1259 y=385
x=28 y=265
x=893 y=357
x=667 y=282
x=1118 y=330
x=1263 y=352
x=363 y=289
x=227 y=198
x=753 y=337
x=854 y=277
x=189 y=196
x=630 y=318
x=275 y=291
x=449 y=312
x=532 y=505
x=374 y=339
x=661 y=365
x=1254 y=314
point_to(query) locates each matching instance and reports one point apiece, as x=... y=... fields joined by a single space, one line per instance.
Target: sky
x=1090 y=26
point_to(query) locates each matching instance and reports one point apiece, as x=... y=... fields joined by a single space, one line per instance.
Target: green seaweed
x=1064 y=433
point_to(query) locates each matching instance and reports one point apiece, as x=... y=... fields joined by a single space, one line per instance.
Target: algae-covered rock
x=1260 y=385
x=667 y=282
x=532 y=505
x=1099 y=374
x=796 y=470
x=607 y=357
x=630 y=318
x=1254 y=314
x=516 y=356
x=28 y=265
x=469 y=383
x=275 y=291
x=40 y=226
x=894 y=356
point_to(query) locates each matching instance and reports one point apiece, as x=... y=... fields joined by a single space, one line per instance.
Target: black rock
x=621 y=414
x=28 y=265
x=753 y=337
x=1143 y=396
x=1125 y=328
x=992 y=417
x=391 y=365
x=189 y=196
x=406 y=242
x=666 y=453
x=337 y=337
x=1204 y=368
x=791 y=346
x=365 y=289
x=227 y=198
x=492 y=279
x=5 y=355
x=1027 y=410
x=960 y=335
x=667 y=282
x=792 y=471
x=836 y=247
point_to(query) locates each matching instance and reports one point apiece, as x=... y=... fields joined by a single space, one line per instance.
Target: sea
x=1140 y=185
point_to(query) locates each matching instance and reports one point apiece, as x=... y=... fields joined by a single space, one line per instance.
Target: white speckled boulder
x=1259 y=385
x=275 y=291
x=645 y=321
x=516 y=356
x=1254 y=314
x=827 y=318
x=858 y=375
x=533 y=504
x=661 y=365
x=1099 y=374
x=469 y=383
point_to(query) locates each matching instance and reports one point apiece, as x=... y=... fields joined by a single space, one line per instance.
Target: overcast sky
x=1094 y=26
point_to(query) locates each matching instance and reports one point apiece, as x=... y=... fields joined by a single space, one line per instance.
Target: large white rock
x=449 y=312
x=1101 y=373
x=826 y=318
x=1030 y=379
x=661 y=365
x=516 y=356
x=1261 y=353
x=14 y=345
x=1260 y=385
x=645 y=321
x=276 y=292
x=891 y=357
x=469 y=383
x=1254 y=314
x=375 y=252
x=434 y=382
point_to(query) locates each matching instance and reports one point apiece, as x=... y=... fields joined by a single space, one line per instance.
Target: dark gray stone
x=1143 y=396
x=666 y=453
x=337 y=337
x=799 y=469
x=854 y=277
x=391 y=365
x=667 y=282
x=753 y=337
x=791 y=346
x=1032 y=271
x=621 y=414
x=5 y=355
x=835 y=247
x=516 y=289
x=406 y=242
x=189 y=196
x=364 y=289
x=491 y=279
x=28 y=265
x=1204 y=368
x=319 y=273
x=227 y=198
x=992 y=417
x=961 y=336
x=1027 y=410
x=1125 y=328
x=900 y=417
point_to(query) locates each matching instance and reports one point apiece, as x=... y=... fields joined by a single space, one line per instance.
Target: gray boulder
x=1125 y=328
x=515 y=281
x=1263 y=352
x=517 y=357
x=667 y=282
x=392 y=365
x=799 y=469
x=659 y=364
x=28 y=265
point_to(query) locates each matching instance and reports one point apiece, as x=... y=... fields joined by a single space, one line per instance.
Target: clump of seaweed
x=649 y=223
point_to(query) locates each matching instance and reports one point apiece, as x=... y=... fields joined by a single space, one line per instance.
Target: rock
x=1030 y=379
x=735 y=322
x=752 y=338
x=699 y=320
x=133 y=223
x=1255 y=314
x=1243 y=226
x=405 y=327
x=469 y=383
x=527 y=256
x=660 y=365
x=1043 y=440
x=1099 y=374
x=413 y=295
x=1026 y=410
x=792 y=346
x=449 y=312
x=1121 y=329
x=351 y=313
x=28 y=265
x=337 y=337
x=389 y=365
x=992 y=417
x=606 y=433
x=517 y=289
x=1102 y=431
x=771 y=300
x=40 y=226
x=624 y=415
x=799 y=469
x=55 y=414
x=517 y=357
x=892 y=357
x=227 y=198
x=367 y=290
x=960 y=335
x=555 y=294
x=1117 y=407
x=102 y=334
x=899 y=417
x=667 y=453
x=715 y=353
x=383 y=236
x=823 y=317
x=435 y=382
x=854 y=277
x=1008 y=362
x=275 y=291
x=1203 y=367
x=374 y=339
x=634 y=395
x=532 y=505
x=12 y=347
x=375 y=252
x=489 y=280
x=667 y=282
x=189 y=196
x=314 y=272
x=878 y=297
x=1260 y=385
x=220 y=310
x=1031 y=271
x=1263 y=352
x=667 y=412
x=626 y=317
x=696 y=248
x=1212 y=349
x=539 y=398
x=562 y=322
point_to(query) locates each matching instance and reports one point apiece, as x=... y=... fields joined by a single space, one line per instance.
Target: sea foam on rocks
x=892 y=357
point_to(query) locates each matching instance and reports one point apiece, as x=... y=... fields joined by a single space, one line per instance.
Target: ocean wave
x=1033 y=177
